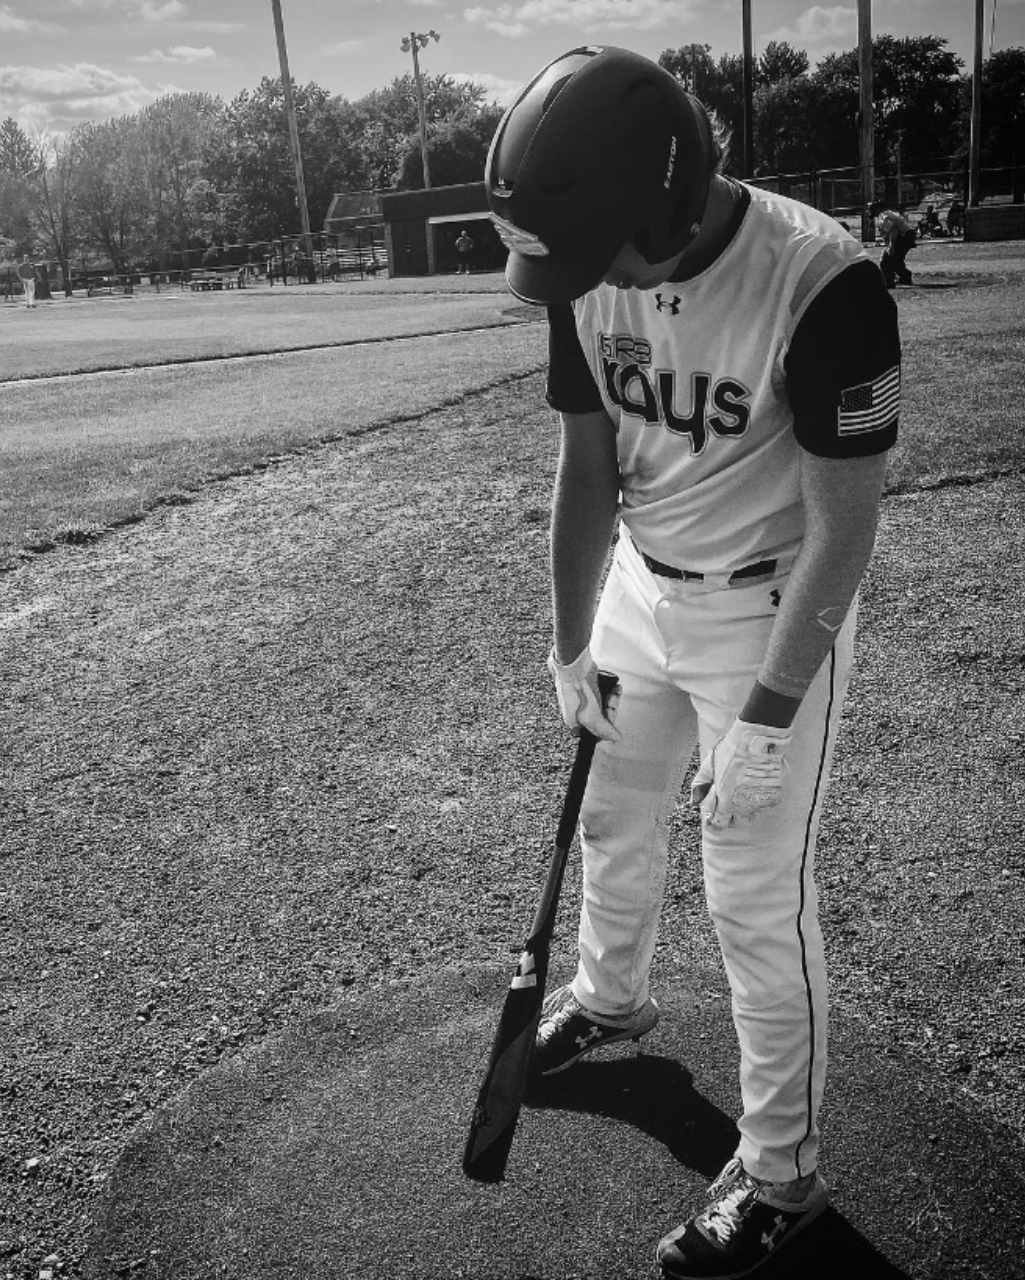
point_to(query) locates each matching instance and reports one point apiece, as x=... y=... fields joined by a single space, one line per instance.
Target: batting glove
x=576 y=685
x=742 y=774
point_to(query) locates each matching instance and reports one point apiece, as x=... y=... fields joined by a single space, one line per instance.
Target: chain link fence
x=838 y=192
x=358 y=253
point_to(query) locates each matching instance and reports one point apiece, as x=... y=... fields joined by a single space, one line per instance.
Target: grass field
x=290 y=734
x=186 y=388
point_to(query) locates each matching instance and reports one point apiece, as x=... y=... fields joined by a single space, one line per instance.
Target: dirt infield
x=290 y=740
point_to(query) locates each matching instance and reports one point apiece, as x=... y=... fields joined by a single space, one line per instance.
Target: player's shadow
x=651 y=1093
x=656 y=1095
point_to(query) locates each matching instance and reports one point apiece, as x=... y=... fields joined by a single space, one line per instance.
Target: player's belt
x=759 y=570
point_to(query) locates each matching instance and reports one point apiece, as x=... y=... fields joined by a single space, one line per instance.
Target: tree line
x=193 y=170
x=807 y=120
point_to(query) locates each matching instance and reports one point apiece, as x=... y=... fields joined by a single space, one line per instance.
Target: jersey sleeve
x=842 y=367
x=571 y=385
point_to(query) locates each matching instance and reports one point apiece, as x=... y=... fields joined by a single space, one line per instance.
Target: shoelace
x=726 y=1216
x=558 y=1019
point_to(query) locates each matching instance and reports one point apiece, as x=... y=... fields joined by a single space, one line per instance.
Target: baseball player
x=899 y=239
x=726 y=367
x=27 y=276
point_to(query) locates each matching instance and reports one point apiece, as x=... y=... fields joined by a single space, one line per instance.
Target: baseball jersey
x=715 y=384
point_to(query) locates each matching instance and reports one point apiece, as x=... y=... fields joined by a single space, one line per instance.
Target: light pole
x=411 y=44
x=293 y=132
x=748 y=86
x=866 y=120
x=975 y=136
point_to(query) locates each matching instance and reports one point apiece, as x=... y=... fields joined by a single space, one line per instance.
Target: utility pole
x=293 y=131
x=975 y=142
x=412 y=43
x=749 y=115
x=866 y=119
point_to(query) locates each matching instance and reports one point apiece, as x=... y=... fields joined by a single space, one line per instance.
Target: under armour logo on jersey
x=664 y=304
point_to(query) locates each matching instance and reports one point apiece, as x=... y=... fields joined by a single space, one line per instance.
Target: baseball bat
x=505 y=1080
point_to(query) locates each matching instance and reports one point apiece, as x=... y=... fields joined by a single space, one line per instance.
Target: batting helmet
x=601 y=148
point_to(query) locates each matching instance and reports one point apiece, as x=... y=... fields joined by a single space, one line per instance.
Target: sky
x=63 y=62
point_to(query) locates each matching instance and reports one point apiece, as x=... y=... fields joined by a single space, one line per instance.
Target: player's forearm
x=583 y=521
x=813 y=607
x=842 y=502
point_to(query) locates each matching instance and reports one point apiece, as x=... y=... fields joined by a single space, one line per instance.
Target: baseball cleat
x=567 y=1031
x=743 y=1224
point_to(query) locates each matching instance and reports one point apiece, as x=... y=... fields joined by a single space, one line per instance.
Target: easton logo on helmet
x=672 y=163
x=516 y=240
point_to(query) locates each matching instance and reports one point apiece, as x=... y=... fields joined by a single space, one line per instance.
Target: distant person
x=464 y=247
x=931 y=221
x=899 y=239
x=955 y=218
x=27 y=276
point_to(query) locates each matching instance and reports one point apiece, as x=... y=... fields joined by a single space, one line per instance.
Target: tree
x=54 y=194
x=1003 y=113
x=19 y=163
x=916 y=88
x=458 y=150
x=18 y=155
x=111 y=192
x=387 y=127
x=15 y=213
x=182 y=138
x=780 y=61
x=801 y=126
x=260 y=161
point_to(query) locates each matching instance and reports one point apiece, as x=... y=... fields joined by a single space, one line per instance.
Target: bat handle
x=586 y=743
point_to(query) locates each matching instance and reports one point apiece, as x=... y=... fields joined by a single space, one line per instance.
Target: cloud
x=177 y=53
x=822 y=29
x=498 y=90
x=60 y=97
x=12 y=24
x=160 y=10
x=518 y=17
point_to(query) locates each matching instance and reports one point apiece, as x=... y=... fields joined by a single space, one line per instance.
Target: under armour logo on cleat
x=664 y=304
x=592 y=1035
x=779 y=1225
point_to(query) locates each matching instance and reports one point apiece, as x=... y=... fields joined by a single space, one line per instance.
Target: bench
x=217 y=278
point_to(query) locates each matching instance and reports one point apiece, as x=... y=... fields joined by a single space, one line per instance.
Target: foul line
x=273 y=353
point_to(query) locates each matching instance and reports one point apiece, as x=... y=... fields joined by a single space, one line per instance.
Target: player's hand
x=742 y=774
x=576 y=685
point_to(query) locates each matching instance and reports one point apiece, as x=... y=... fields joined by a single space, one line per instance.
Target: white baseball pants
x=687 y=655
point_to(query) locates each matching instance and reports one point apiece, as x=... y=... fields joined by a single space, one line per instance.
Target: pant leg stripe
x=800 y=915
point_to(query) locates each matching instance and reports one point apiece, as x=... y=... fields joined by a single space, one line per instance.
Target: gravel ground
x=259 y=749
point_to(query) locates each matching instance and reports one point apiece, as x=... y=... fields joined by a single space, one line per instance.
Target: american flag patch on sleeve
x=870 y=406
